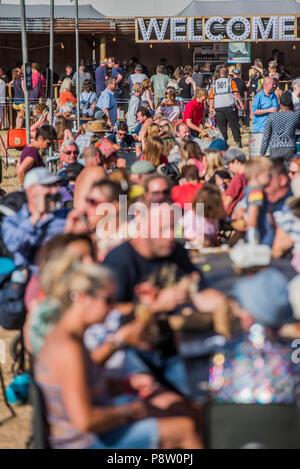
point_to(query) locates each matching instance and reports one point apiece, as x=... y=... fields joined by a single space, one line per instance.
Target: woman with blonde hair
x=154 y=151
x=19 y=99
x=170 y=107
x=65 y=93
x=147 y=93
x=152 y=131
x=212 y=161
x=80 y=410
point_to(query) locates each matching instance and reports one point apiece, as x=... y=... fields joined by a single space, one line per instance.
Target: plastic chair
x=251 y=426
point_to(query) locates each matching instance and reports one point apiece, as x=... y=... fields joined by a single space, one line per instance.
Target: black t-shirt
x=127 y=142
x=240 y=85
x=254 y=84
x=65 y=75
x=131 y=268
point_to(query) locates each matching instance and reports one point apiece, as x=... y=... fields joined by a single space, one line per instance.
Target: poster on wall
x=239 y=52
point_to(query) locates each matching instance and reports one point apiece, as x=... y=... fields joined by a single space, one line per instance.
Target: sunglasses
x=122 y=134
x=76 y=153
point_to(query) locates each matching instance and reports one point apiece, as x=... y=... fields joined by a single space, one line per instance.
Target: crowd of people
x=109 y=241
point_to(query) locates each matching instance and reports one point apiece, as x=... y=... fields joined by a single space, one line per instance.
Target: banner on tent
x=218 y=28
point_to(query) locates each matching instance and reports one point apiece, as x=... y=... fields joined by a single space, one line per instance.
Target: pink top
x=35 y=79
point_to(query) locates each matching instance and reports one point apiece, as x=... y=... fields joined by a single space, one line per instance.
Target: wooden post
x=102 y=48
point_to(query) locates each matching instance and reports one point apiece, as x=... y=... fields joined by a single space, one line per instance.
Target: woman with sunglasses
x=171 y=108
x=80 y=409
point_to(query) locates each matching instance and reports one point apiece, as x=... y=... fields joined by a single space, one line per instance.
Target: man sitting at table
x=121 y=137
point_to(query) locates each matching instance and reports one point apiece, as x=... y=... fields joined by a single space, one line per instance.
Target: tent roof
x=86 y=12
x=241 y=8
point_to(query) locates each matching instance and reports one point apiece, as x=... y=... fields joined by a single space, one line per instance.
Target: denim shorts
x=143 y=434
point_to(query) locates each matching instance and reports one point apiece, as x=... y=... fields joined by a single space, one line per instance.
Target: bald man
x=93 y=172
x=264 y=103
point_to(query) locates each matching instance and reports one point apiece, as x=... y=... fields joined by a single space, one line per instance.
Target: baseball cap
x=234 y=154
x=40 y=176
x=265 y=297
x=237 y=71
x=218 y=144
x=142 y=167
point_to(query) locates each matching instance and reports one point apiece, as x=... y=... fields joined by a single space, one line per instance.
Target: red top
x=163 y=159
x=66 y=96
x=186 y=193
x=236 y=190
x=194 y=111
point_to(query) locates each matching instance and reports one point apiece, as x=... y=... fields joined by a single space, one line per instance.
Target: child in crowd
x=201 y=227
x=258 y=175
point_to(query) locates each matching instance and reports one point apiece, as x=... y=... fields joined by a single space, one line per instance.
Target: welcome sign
x=218 y=28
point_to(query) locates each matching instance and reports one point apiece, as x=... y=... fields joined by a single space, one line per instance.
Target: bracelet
x=116 y=340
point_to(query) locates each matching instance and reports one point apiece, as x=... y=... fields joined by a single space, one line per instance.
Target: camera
x=54 y=202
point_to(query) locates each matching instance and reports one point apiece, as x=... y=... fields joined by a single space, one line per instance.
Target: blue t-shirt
x=100 y=74
x=107 y=100
x=114 y=74
x=262 y=101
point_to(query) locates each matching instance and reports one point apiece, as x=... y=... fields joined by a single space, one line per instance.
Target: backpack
x=12 y=284
x=9 y=205
x=171 y=170
x=35 y=93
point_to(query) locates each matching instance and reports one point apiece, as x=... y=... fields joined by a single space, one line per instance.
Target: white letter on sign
x=178 y=29
x=192 y=37
x=257 y=25
x=160 y=34
x=208 y=35
x=231 y=23
x=285 y=28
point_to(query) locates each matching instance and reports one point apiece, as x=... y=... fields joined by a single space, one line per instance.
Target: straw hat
x=97 y=126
